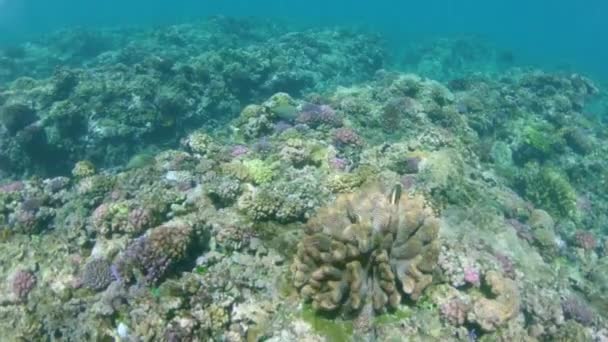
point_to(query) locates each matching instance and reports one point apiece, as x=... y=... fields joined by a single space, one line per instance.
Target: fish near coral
x=367 y=249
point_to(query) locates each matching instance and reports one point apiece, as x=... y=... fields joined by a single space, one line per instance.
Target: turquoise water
x=566 y=34
x=219 y=170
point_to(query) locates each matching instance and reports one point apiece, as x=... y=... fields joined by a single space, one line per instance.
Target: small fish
x=396 y=194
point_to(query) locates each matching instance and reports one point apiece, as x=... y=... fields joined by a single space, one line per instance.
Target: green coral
x=571 y=331
x=253 y=111
x=258 y=171
x=347 y=182
x=199 y=142
x=548 y=189
x=332 y=329
x=540 y=141
x=282 y=106
x=83 y=169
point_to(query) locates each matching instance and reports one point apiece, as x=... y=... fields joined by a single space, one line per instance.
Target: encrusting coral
x=367 y=248
x=493 y=312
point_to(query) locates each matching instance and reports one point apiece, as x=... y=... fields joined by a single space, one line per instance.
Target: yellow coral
x=259 y=172
x=83 y=169
x=492 y=313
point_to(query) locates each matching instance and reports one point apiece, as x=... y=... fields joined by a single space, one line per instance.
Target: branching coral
x=367 y=249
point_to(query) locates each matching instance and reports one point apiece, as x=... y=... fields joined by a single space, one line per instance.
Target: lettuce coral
x=367 y=250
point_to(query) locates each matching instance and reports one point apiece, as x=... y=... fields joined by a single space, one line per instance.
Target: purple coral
x=454 y=311
x=281 y=127
x=339 y=164
x=262 y=146
x=585 y=240
x=315 y=115
x=153 y=255
x=347 y=137
x=12 y=187
x=506 y=264
x=412 y=164
x=22 y=284
x=238 y=150
x=578 y=310
x=523 y=230
x=139 y=255
x=408 y=182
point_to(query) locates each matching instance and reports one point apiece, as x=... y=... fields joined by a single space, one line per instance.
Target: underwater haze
x=303 y=171
x=555 y=33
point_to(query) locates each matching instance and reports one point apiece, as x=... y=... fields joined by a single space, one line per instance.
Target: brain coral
x=367 y=249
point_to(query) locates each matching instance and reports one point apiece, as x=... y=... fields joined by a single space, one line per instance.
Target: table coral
x=367 y=248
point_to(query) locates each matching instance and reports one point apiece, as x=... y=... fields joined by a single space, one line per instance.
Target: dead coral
x=367 y=249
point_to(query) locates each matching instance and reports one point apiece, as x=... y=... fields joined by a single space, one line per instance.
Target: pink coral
x=22 y=284
x=455 y=311
x=315 y=115
x=238 y=150
x=347 y=136
x=12 y=187
x=339 y=164
x=472 y=276
x=100 y=215
x=585 y=240
x=506 y=264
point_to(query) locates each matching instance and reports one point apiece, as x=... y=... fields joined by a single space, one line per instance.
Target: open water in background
x=549 y=33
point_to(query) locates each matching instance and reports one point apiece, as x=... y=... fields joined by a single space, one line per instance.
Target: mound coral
x=23 y=283
x=151 y=256
x=97 y=274
x=503 y=305
x=367 y=249
x=316 y=115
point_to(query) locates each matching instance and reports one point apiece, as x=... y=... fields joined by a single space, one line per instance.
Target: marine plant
x=367 y=250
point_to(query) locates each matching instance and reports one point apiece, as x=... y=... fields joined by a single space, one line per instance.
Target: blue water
x=561 y=33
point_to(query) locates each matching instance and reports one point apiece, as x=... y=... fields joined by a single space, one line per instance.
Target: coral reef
x=22 y=283
x=120 y=101
x=493 y=312
x=97 y=274
x=150 y=257
x=240 y=180
x=369 y=248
